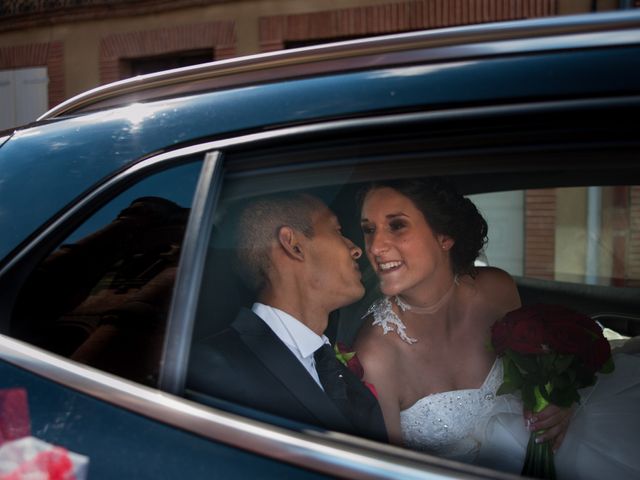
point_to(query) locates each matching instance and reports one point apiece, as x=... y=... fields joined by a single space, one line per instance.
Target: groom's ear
x=288 y=239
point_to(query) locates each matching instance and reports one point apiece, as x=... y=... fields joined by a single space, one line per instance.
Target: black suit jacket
x=248 y=364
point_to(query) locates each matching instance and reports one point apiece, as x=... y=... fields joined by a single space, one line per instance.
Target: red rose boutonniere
x=350 y=360
x=548 y=352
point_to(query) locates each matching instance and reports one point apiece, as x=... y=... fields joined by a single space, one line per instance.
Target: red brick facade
x=50 y=55
x=218 y=36
x=276 y=31
x=540 y=233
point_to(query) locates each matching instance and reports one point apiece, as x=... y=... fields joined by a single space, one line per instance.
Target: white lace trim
x=385 y=317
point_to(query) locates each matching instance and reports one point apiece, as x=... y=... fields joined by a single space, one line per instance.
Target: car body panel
x=122 y=444
x=81 y=152
x=51 y=170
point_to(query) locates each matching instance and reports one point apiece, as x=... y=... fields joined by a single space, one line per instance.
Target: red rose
x=350 y=359
x=577 y=334
x=570 y=338
x=597 y=355
x=522 y=331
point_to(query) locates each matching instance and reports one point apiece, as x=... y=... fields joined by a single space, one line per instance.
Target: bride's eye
x=367 y=229
x=396 y=225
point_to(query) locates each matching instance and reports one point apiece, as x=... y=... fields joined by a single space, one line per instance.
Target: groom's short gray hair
x=258 y=223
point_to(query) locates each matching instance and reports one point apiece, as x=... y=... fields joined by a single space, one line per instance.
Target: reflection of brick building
x=568 y=229
x=76 y=45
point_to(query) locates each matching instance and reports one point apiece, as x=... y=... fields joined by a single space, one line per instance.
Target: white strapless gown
x=477 y=426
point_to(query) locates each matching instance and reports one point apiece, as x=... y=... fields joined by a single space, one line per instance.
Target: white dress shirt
x=300 y=339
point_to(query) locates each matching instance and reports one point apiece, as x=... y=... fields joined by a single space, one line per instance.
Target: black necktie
x=331 y=376
x=349 y=394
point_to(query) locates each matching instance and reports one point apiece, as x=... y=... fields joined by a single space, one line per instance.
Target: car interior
x=504 y=156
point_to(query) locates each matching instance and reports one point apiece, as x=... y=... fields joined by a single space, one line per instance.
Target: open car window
x=561 y=216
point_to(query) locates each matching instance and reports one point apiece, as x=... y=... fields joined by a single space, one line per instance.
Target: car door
x=90 y=299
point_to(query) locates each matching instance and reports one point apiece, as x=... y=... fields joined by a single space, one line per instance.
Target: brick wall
x=276 y=31
x=218 y=36
x=48 y=55
x=540 y=233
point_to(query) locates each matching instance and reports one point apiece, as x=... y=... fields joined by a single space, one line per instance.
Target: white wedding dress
x=477 y=426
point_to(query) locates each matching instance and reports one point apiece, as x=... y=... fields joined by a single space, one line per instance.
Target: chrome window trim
x=188 y=279
x=428 y=46
x=328 y=452
x=332 y=453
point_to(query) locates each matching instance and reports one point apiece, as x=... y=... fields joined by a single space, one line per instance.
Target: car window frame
x=329 y=452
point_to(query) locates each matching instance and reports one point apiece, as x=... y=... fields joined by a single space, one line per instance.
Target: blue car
x=115 y=258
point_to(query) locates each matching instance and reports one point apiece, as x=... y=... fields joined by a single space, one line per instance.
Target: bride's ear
x=288 y=239
x=446 y=242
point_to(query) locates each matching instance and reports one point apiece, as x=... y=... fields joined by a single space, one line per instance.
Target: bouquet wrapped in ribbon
x=549 y=352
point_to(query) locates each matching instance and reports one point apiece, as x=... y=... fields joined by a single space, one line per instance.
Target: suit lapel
x=277 y=357
x=367 y=415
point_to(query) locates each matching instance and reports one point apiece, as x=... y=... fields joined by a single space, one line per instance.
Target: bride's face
x=403 y=249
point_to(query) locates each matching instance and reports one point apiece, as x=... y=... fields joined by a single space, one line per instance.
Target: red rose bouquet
x=548 y=352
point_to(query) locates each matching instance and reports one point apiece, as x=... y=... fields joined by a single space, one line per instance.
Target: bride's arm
x=378 y=364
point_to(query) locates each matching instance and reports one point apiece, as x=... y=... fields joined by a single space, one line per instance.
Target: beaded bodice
x=446 y=423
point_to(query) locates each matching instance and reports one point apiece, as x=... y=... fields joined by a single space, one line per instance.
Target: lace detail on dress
x=447 y=423
x=385 y=317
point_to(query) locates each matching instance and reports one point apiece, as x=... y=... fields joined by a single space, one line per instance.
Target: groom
x=275 y=357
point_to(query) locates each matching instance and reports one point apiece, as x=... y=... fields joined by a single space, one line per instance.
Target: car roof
x=445 y=44
x=92 y=137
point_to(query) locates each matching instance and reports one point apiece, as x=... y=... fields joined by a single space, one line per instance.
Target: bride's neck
x=430 y=299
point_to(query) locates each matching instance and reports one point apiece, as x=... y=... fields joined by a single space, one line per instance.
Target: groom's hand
x=552 y=420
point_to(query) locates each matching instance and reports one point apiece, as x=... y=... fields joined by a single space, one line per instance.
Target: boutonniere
x=350 y=360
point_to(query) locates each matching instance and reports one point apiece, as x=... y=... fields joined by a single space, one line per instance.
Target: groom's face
x=332 y=267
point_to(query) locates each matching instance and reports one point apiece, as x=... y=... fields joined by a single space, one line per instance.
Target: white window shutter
x=7 y=100
x=31 y=94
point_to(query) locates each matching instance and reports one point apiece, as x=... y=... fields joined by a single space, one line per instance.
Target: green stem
x=541 y=402
x=538 y=462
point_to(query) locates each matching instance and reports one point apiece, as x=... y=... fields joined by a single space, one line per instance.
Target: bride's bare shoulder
x=498 y=288
x=372 y=343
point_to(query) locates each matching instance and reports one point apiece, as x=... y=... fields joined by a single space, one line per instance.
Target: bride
x=424 y=345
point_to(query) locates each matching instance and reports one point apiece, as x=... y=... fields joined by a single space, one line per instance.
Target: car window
x=102 y=296
x=534 y=218
x=585 y=235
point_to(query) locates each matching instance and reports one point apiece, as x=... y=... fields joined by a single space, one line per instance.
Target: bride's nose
x=376 y=244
